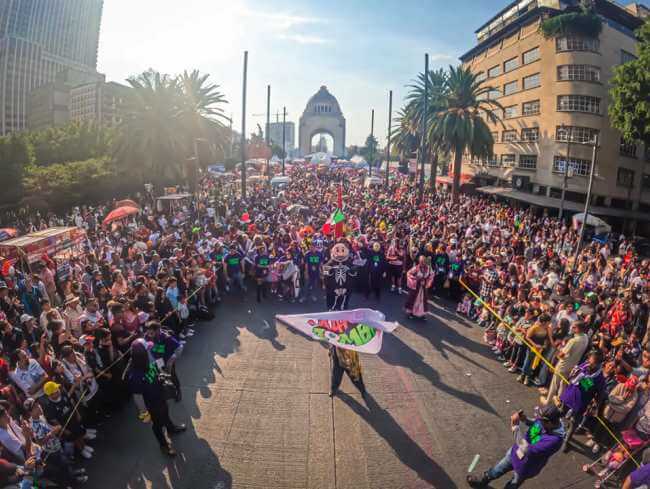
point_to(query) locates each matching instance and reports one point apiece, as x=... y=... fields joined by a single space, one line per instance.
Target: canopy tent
x=600 y=226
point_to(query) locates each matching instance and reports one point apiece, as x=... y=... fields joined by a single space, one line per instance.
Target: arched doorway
x=321 y=142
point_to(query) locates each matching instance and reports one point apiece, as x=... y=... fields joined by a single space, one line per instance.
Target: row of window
x=587 y=73
x=512 y=64
x=528 y=135
x=528 y=82
x=526 y=162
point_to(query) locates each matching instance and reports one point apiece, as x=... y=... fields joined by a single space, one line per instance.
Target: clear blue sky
x=358 y=48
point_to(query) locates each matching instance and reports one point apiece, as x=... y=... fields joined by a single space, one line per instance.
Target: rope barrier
x=537 y=353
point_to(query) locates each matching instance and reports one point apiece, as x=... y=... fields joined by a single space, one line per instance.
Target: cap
x=25 y=317
x=549 y=413
x=29 y=404
x=50 y=388
x=86 y=338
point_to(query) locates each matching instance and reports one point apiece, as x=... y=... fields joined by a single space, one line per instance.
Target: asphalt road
x=258 y=413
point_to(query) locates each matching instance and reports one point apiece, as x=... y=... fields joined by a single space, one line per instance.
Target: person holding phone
x=531 y=451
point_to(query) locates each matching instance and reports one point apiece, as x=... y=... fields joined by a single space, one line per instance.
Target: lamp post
x=587 y=202
x=284 y=137
x=266 y=132
x=390 y=116
x=423 y=127
x=568 y=132
x=243 y=129
x=371 y=156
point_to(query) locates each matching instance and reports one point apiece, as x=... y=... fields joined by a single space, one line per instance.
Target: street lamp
x=568 y=133
x=592 y=170
x=423 y=124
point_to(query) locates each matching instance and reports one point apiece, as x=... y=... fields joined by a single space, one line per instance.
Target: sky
x=359 y=49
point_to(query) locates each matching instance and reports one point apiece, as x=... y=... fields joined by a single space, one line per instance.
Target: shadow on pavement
x=409 y=452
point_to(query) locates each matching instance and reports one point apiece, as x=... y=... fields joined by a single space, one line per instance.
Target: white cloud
x=302 y=39
x=282 y=20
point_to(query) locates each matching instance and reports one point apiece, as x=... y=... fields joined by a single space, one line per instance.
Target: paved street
x=256 y=403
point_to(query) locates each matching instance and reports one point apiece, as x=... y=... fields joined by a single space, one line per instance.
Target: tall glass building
x=38 y=39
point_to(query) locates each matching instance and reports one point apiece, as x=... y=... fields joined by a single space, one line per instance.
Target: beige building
x=555 y=97
x=98 y=102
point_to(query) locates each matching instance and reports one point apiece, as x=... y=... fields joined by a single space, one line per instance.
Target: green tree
x=14 y=157
x=276 y=149
x=629 y=110
x=369 y=150
x=462 y=125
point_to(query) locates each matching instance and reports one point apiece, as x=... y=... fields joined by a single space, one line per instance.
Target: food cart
x=58 y=243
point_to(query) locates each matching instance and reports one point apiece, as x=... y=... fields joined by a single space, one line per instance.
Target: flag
x=336 y=221
x=360 y=330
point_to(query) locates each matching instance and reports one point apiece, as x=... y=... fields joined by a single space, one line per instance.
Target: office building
x=275 y=134
x=38 y=40
x=99 y=102
x=555 y=97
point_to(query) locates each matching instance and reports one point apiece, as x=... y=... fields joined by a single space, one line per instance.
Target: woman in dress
x=418 y=279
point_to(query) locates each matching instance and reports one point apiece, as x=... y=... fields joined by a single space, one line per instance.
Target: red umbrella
x=126 y=203
x=120 y=213
x=6 y=233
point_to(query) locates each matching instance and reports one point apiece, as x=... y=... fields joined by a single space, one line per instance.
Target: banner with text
x=358 y=329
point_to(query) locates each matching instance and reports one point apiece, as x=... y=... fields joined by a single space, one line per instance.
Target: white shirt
x=27 y=378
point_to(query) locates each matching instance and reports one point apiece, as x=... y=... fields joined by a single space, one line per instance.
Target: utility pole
x=372 y=137
x=284 y=138
x=568 y=132
x=243 y=129
x=268 y=127
x=390 y=116
x=587 y=202
x=423 y=127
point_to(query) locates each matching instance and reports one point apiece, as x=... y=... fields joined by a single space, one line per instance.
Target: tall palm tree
x=462 y=125
x=404 y=136
x=436 y=101
x=150 y=137
x=201 y=108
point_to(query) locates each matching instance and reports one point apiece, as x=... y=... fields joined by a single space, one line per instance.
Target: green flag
x=337 y=217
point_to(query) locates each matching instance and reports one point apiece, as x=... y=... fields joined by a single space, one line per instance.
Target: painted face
x=376 y=247
x=340 y=252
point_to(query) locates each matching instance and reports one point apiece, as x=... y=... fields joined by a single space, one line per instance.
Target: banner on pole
x=360 y=330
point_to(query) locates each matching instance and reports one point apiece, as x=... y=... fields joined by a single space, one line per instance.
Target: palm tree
x=436 y=101
x=201 y=109
x=404 y=136
x=462 y=124
x=150 y=140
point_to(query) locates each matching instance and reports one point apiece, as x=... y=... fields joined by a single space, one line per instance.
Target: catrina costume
x=339 y=274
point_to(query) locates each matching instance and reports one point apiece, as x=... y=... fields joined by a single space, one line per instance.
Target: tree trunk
x=434 y=171
x=458 y=159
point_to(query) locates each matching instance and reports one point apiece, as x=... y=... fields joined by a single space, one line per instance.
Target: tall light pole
x=390 y=116
x=266 y=132
x=372 y=140
x=284 y=138
x=423 y=127
x=243 y=129
x=587 y=202
x=568 y=132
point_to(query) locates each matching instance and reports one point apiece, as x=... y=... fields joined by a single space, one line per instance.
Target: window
x=578 y=103
x=509 y=136
x=578 y=166
x=510 y=112
x=575 y=43
x=492 y=94
x=508 y=160
x=532 y=55
x=532 y=81
x=645 y=182
x=626 y=57
x=576 y=134
x=481 y=76
x=494 y=71
x=578 y=73
x=509 y=88
x=493 y=161
x=495 y=136
x=530 y=134
x=627 y=149
x=530 y=108
x=510 y=65
x=528 y=162
x=625 y=178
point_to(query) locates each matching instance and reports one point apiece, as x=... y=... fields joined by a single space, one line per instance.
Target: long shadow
x=398 y=353
x=409 y=452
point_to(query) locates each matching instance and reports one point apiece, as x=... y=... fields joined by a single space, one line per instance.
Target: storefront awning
x=554 y=203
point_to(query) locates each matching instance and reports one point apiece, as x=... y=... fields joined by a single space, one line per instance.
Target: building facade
x=99 y=102
x=275 y=134
x=555 y=97
x=38 y=40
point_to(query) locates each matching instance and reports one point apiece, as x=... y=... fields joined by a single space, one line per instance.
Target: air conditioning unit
x=521 y=182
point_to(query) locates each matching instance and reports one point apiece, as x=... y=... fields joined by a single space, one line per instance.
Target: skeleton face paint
x=340 y=252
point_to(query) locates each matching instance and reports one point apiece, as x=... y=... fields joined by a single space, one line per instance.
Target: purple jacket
x=541 y=446
x=584 y=387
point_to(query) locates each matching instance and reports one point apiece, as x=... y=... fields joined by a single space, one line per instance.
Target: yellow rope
x=548 y=364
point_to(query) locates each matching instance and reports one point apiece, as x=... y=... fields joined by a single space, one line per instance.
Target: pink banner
x=358 y=329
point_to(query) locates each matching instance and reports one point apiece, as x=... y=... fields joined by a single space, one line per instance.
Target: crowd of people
x=77 y=346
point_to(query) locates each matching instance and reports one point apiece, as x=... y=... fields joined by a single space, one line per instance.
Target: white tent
x=597 y=223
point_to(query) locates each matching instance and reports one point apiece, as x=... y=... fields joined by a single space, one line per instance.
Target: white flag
x=361 y=330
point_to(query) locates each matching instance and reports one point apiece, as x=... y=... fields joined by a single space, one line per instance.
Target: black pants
x=261 y=289
x=337 y=377
x=160 y=419
x=337 y=303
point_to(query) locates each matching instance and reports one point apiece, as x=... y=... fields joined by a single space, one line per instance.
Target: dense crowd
x=75 y=346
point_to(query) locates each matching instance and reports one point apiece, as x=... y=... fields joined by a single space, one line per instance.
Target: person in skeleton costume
x=338 y=272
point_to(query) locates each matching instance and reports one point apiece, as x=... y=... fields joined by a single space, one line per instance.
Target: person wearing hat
x=531 y=451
